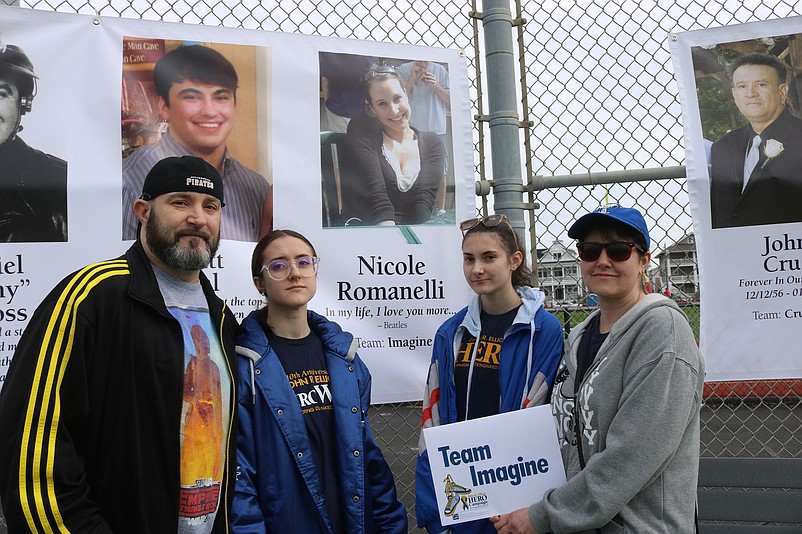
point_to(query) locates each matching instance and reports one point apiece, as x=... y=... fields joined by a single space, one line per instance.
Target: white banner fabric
x=95 y=105
x=748 y=229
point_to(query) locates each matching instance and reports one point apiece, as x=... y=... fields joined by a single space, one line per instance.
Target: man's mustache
x=189 y=232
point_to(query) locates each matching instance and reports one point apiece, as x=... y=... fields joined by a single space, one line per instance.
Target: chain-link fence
x=598 y=86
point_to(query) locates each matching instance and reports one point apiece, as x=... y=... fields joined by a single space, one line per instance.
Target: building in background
x=560 y=276
x=677 y=273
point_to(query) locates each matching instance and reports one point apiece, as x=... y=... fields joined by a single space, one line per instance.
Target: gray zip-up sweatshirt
x=638 y=405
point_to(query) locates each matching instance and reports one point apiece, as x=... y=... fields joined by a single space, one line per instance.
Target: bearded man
x=93 y=408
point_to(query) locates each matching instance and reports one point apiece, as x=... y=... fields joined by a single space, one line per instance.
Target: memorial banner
x=741 y=99
x=106 y=105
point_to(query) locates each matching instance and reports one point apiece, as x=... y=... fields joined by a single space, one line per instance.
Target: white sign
x=747 y=211
x=493 y=465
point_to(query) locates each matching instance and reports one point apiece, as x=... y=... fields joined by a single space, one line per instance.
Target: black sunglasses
x=618 y=251
x=381 y=69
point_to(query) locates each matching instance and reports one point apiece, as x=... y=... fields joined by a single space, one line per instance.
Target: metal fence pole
x=505 y=142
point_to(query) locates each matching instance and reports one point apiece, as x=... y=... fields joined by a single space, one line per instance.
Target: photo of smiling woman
x=626 y=399
x=394 y=171
x=307 y=460
x=497 y=355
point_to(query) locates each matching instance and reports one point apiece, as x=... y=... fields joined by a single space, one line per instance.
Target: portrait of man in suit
x=756 y=170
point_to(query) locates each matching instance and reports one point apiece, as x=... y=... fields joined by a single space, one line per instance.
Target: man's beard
x=168 y=248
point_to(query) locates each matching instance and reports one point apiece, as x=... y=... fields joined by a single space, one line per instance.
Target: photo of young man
x=196 y=88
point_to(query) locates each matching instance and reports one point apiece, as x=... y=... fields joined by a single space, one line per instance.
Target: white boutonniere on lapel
x=772 y=150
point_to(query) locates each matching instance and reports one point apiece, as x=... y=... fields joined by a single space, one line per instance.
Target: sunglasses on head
x=381 y=69
x=618 y=251
x=489 y=222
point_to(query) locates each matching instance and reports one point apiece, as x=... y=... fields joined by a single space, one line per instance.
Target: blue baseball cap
x=626 y=216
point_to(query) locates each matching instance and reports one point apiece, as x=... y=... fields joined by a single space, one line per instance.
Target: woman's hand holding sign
x=516 y=522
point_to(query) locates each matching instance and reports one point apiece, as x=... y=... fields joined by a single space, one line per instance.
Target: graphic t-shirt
x=304 y=362
x=205 y=409
x=477 y=384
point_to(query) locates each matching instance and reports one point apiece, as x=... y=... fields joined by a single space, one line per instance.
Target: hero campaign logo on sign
x=478 y=471
x=456 y=494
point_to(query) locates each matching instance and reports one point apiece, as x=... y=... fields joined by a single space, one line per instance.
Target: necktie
x=752 y=157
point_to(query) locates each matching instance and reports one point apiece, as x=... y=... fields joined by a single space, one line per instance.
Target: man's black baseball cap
x=184 y=173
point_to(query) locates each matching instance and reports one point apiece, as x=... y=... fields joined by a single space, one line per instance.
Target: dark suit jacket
x=33 y=195
x=774 y=192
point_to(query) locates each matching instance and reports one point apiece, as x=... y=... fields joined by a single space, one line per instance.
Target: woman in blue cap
x=626 y=399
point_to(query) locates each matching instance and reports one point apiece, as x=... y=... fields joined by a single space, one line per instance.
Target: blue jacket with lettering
x=278 y=488
x=530 y=352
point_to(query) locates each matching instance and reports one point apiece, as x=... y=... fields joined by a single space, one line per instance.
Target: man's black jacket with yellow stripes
x=91 y=407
